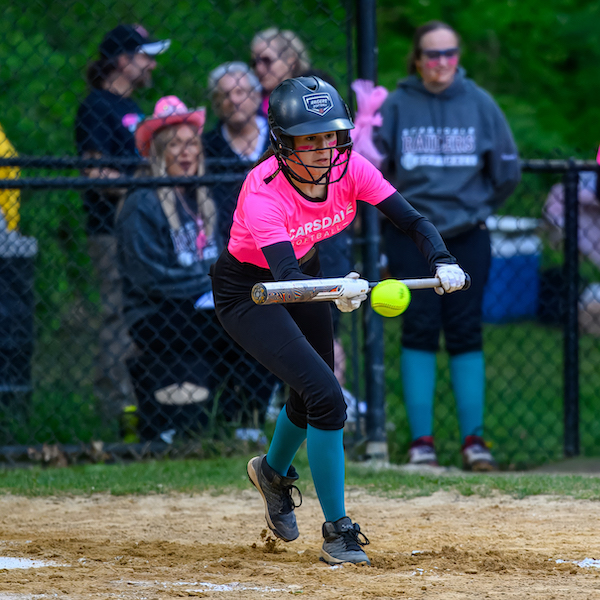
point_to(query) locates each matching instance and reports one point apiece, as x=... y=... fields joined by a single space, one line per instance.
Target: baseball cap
x=131 y=39
x=168 y=111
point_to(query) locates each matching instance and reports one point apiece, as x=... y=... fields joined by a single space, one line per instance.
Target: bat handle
x=467 y=284
x=419 y=284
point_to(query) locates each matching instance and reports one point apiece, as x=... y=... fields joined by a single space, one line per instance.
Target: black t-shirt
x=99 y=128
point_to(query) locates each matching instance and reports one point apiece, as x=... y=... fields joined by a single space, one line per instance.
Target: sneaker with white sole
x=477 y=456
x=276 y=491
x=342 y=543
x=422 y=452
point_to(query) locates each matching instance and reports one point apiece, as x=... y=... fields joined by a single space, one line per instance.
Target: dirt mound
x=157 y=547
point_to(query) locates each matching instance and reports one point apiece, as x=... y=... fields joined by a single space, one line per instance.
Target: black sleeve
x=283 y=262
x=418 y=228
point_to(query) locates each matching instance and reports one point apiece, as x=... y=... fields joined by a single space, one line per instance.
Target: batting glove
x=349 y=304
x=452 y=278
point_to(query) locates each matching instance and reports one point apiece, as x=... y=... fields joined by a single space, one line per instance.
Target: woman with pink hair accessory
x=277 y=55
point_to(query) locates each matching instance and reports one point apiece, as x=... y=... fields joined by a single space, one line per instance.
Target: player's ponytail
x=266 y=154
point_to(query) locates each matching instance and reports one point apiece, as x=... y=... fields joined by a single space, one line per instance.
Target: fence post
x=373 y=323
x=571 y=322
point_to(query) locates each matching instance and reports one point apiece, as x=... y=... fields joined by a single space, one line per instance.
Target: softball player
x=302 y=191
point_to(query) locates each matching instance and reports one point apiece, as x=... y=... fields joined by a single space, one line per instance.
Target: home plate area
x=203 y=545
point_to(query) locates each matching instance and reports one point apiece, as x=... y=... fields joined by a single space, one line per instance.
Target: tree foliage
x=538 y=59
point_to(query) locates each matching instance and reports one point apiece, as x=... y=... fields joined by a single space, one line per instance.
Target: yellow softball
x=390 y=298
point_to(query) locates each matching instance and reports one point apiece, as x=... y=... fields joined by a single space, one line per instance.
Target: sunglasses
x=265 y=60
x=437 y=54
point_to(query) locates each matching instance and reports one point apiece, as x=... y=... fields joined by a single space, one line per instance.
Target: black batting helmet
x=306 y=106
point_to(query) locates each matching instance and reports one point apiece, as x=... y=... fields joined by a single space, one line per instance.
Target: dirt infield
x=157 y=547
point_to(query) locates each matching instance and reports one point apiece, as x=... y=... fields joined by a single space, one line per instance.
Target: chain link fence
x=537 y=349
x=79 y=381
x=139 y=368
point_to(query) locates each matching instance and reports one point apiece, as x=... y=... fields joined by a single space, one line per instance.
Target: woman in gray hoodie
x=448 y=149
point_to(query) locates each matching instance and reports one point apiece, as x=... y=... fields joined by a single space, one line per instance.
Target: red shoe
x=422 y=452
x=477 y=456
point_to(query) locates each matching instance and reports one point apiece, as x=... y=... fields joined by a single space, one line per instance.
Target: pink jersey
x=268 y=213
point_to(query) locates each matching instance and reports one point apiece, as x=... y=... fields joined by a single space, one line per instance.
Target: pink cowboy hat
x=169 y=110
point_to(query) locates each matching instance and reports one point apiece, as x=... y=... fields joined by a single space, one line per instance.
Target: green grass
x=224 y=475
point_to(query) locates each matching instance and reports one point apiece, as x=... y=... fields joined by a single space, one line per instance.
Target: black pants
x=179 y=344
x=294 y=341
x=459 y=314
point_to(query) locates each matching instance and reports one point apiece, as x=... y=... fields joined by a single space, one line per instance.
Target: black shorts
x=293 y=341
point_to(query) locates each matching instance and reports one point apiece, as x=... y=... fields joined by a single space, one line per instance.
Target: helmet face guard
x=286 y=153
x=308 y=106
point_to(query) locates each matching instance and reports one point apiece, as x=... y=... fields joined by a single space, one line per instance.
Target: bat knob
x=467 y=284
x=259 y=293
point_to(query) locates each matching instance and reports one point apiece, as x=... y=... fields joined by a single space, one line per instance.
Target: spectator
x=167 y=243
x=277 y=55
x=550 y=308
x=589 y=215
x=448 y=148
x=240 y=134
x=102 y=129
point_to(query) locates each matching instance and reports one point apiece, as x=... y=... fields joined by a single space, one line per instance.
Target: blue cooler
x=513 y=286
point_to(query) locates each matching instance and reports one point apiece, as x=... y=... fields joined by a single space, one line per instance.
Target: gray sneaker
x=276 y=491
x=342 y=544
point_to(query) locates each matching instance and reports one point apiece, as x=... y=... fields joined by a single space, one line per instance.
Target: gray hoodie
x=151 y=267
x=451 y=154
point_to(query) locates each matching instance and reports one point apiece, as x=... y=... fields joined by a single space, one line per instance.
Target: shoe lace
x=288 y=503
x=352 y=539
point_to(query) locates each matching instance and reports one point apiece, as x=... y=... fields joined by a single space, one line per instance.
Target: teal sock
x=287 y=438
x=326 y=460
x=418 y=379
x=468 y=381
